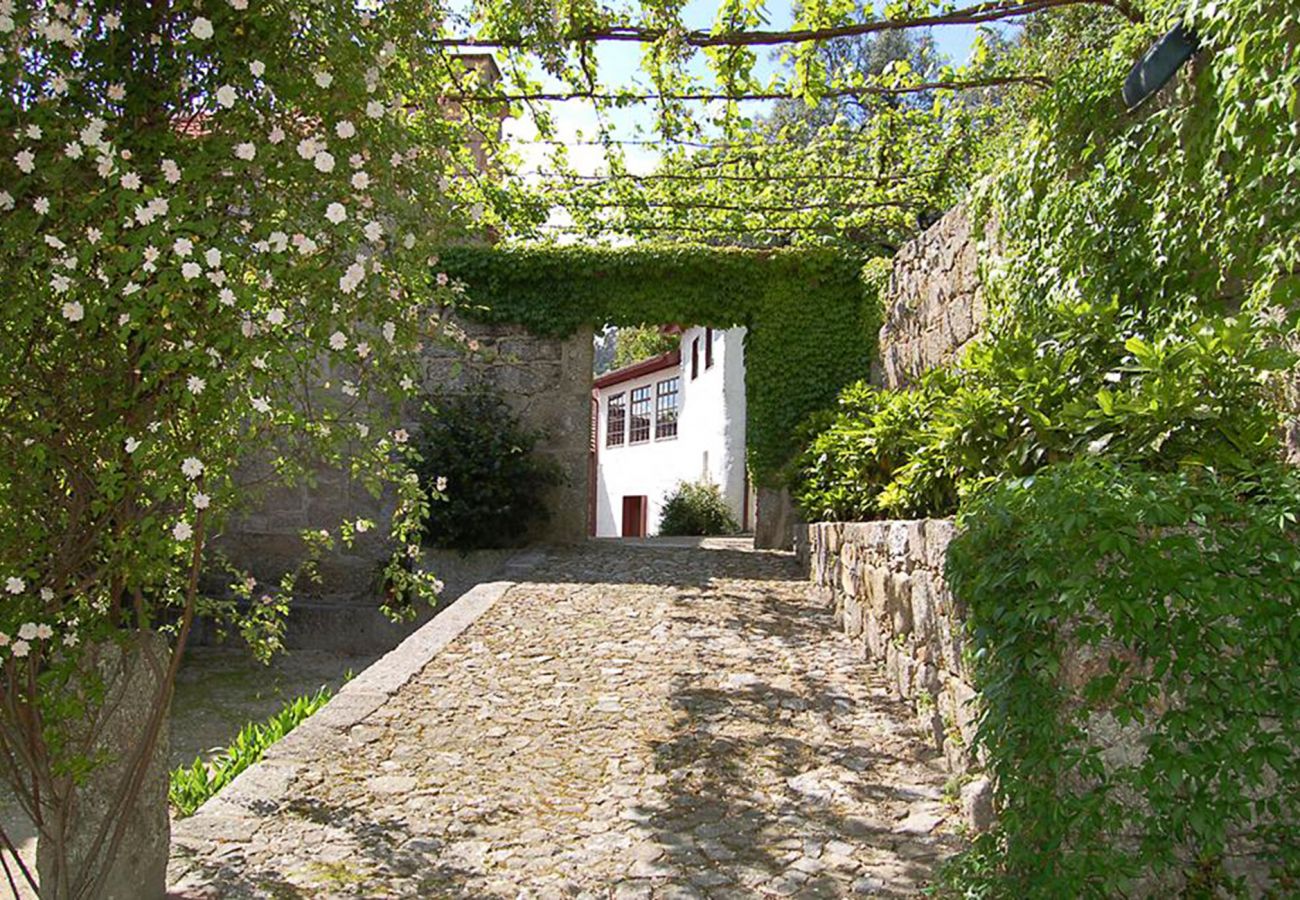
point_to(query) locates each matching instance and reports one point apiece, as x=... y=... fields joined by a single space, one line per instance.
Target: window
x=617 y=420
x=695 y=359
x=666 y=409
x=708 y=348
x=639 y=429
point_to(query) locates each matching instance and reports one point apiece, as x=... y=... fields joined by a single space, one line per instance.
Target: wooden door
x=634 y=516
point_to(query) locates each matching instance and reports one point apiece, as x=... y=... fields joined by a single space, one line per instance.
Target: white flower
x=401 y=436
x=73 y=311
x=182 y=531
x=276 y=135
x=246 y=150
x=47 y=594
x=191 y=467
x=202 y=501
x=70 y=639
x=275 y=316
x=201 y=29
x=28 y=631
x=352 y=277
x=261 y=404
x=131 y=445
x=363 y=525
x=441 y=483
x=390 y=331
x=240 y=5
x=227 y=297
x=324 y=161
x=338 y=340
x=41 y=205
x=363 y=349
x=52 y=240
x=336 y=212
x=72 y=150
x=183 y=246
x=324 y=79
x=226 y=95
x=195 y=384
x=4 y=639
x=345 y=129
x=191 y=270
x=360 y=180
x=26 y=161
x=6 y=201
x=212 y=256
x=373 y=231
x=117 y=92
x=93 y=234
x=131 y=181
x=21 y=649
x=15 y=585
x=257 y=67
x=44 y=632
x=374 y=109
x=307 y=148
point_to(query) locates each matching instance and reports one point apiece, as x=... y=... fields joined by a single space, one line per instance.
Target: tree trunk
x=85 y=851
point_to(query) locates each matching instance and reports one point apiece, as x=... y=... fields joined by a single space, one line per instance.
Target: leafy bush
x=697 y=508
x=1102 y=601
x=638 y=342
x=477 y=461
x=1065 y=383
x=192 y=786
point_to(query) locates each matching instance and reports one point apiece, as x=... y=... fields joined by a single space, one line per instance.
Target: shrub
x=1069 y=382
x=478 y=462
x=696 y=508
x=192 y=786
x=1161 y=603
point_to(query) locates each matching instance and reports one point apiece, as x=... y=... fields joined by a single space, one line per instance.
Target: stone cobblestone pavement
x=632 y=722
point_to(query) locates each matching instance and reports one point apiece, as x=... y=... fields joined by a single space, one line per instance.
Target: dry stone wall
x=885 y=582
x=934 y=305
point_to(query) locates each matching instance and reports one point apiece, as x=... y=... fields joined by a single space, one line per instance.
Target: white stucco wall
x=710 y=440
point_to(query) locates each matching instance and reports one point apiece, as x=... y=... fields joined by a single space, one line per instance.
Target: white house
x=676 y=417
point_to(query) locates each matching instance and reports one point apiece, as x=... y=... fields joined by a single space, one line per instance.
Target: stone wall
x=885 y=581
x=546 y=381
x=934 y=305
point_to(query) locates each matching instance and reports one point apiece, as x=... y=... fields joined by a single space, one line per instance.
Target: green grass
x=192 y=786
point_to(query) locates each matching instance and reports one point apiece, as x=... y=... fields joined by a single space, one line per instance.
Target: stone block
x=977 y=804
x=899 y=603
x=938 y=534
x=922 y=609
x=898 y=546
x=874 y=637
x=878 y=589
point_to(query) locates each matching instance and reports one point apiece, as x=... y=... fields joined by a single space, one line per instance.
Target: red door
x=634 y=516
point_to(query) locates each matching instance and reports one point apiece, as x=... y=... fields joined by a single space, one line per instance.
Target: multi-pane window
x=617 y=420
x=639 y=429
x=695 y=359
x=666 y=409
x=708 y=348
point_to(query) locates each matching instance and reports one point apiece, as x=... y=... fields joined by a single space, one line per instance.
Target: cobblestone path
x=632 y=722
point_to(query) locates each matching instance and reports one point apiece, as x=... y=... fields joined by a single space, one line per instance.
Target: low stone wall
x=885 y=580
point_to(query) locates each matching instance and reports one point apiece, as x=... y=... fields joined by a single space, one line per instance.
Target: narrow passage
x=633 y=721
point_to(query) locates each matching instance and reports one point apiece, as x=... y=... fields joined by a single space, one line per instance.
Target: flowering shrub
x=215 y=232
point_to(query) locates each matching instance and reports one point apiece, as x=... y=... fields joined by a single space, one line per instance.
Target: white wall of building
x=710 y=441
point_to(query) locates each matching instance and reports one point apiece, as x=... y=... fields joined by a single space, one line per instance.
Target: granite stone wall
x=934 y=305
x=546 y=381
x=885 y=581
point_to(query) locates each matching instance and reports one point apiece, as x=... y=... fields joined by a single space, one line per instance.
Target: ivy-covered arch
x=812 y=314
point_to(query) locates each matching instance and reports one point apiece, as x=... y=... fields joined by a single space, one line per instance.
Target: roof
x=670 y=360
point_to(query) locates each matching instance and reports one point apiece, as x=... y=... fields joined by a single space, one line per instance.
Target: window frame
x=708 y=348
x=695 y=357
x=616 y=403
x=659 y=395
x=647 y=414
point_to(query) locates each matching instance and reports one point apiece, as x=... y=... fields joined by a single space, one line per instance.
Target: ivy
x=1135 y=637
x=811 y=314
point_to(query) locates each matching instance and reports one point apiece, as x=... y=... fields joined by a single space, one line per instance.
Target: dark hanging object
x=1159 y=64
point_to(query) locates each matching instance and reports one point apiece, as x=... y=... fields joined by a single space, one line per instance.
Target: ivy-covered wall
x=812 y=314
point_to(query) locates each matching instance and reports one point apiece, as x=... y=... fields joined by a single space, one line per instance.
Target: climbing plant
x=812 y=314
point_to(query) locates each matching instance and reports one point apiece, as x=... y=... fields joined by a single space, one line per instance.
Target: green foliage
x=638 y=342
x=811 y=314
x=1109 y=602
x=697 y=508
x=1066 y=383
x=477 y=461
x=192 y=786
